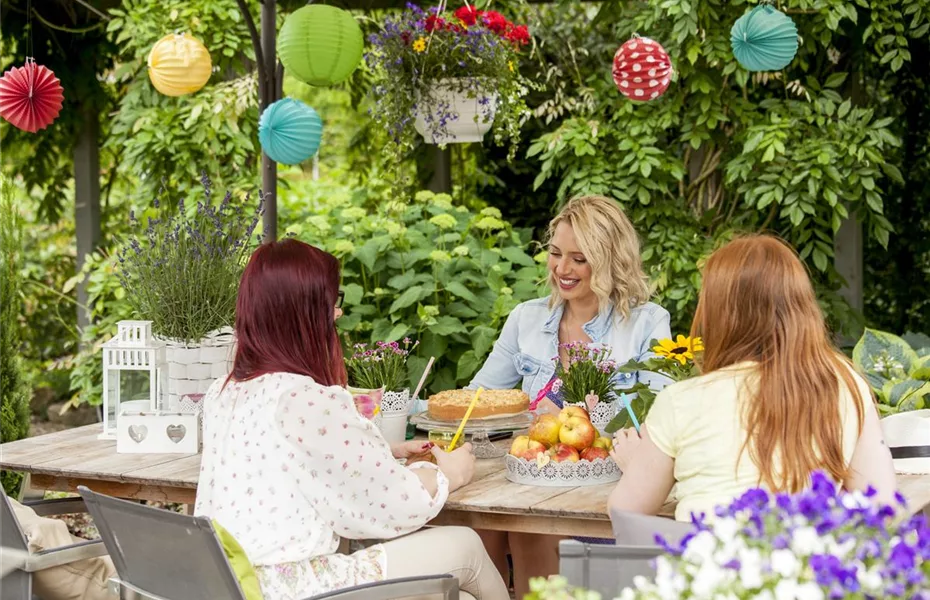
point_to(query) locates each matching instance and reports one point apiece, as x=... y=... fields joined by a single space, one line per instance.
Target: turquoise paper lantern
x=320 y=45
x=290 y=131
x=764 y=39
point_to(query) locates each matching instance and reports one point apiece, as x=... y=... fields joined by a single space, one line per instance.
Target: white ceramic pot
x=466 y=118
x=393 y=427
x=192 y=368
x=396 y=402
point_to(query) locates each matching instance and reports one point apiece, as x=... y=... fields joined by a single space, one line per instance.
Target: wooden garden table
x=64 y=460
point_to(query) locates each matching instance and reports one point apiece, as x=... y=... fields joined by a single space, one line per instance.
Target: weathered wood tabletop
x=64 y=460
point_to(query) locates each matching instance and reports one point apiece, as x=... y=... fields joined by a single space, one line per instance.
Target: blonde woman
x=600 y=295
x=776 y=401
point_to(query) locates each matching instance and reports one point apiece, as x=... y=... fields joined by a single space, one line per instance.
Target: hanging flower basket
x=454 y=111
x=451 y=76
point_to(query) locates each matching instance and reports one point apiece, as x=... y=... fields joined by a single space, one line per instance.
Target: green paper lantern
x=320 y=45
x=764 y=39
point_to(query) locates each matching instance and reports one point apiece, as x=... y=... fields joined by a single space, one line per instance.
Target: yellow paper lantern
x=179 y=64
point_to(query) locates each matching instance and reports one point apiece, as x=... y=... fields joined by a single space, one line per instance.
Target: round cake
x=451 y=405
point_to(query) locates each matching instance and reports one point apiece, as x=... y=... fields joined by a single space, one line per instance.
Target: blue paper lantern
x=764 y=39
x=290 y=131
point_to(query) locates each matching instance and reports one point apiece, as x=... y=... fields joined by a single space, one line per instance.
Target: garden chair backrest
x=161 y=553
x=602 y=568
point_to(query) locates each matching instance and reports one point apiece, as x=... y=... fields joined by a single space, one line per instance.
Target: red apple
x=594 y=452
x=578 y=433
x=524 y=447
x=545 y=430
x=562 y=453
x=573 y=411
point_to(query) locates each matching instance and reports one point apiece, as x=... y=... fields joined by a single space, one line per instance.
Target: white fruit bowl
x=562 y=474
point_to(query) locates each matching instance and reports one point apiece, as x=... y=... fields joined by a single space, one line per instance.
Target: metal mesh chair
x=17 y=565
x=162 y=555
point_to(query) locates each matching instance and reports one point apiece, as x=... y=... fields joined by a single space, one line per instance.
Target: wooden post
x=86 y=201
x=269 y=93
x=440 y=159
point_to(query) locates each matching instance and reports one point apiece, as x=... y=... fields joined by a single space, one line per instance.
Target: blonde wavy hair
x=610 y=245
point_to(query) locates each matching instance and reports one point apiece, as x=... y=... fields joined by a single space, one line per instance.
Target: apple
x=594 y=452
x=578 y=433
x=604 y=442
x=545 y=430
x=562 y=453
x=524 y=447
x=573 y=411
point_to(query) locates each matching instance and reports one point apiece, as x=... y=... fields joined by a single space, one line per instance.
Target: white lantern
x=134 y=373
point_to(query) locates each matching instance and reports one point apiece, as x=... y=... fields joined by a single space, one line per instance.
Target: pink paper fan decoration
x=30 y=97
x=642 y=69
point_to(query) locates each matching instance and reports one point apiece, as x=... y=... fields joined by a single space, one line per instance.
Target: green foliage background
x=844 y=130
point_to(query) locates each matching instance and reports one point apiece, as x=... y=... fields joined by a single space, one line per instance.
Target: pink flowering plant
x=380 y=365
x=589 y=375
x=820 y=543
x=474 y=52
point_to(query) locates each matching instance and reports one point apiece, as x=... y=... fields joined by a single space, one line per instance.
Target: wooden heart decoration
x=591 y=400
x=138 y=432
x=176 y=432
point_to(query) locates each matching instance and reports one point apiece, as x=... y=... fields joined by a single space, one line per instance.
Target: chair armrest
x=55 y=557
x=57 y=506
x=444 y=584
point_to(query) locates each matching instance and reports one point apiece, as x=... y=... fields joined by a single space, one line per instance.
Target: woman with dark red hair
x=290 y=467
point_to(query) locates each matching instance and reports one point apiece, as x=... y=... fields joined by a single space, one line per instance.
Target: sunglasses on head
x=340 y=297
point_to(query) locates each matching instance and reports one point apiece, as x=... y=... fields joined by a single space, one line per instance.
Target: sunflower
x=419 y=45
x=682 y=349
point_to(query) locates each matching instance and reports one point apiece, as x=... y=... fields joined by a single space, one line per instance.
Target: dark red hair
x=285 y=314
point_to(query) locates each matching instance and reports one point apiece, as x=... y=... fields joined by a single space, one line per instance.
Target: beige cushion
x=82 y=580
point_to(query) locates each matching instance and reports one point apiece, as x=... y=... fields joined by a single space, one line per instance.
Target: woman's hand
x=626 y=442
x=458 y=466
x=410 y=448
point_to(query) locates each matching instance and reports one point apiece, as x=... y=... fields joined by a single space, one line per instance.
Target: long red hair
x=757 y=304
x=285 y=314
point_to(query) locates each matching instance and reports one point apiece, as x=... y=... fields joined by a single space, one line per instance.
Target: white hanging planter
x=192 y=368
x=457 y=111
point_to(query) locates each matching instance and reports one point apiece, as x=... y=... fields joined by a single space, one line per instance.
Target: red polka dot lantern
x=642 y=69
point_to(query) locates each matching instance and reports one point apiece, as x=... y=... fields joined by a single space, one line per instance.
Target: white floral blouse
x=290 y=467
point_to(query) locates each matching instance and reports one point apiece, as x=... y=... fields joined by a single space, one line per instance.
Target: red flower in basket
x=468 y=15
x=495 y=21
x=519 y=35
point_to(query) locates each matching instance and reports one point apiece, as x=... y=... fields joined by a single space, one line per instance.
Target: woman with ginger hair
x=775 y=401
x=600 y=295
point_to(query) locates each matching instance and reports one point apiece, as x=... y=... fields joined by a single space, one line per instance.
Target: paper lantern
x=30 y=96
x=764 y=39
x=642 y=69
x=320 y=45
x=290 y=131
x=179 y=64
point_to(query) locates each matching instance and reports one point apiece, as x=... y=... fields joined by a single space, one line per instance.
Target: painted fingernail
x=428 y=445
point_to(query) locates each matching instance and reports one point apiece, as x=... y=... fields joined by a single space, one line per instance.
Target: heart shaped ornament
x=591 y=400
x=176 y=432
x=138 y=432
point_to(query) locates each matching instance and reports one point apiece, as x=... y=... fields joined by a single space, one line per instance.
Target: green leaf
x=397 y=332
x=354 y=293
x=410 y=296
x=368 y=254
x=835 y=80
x=458 y=289
x=517 y=256
x=446 y=325
x=753 y=142
x=882 y=357
x=844 y=109
x=468 y=364
x=400 y=282
x=482 y=338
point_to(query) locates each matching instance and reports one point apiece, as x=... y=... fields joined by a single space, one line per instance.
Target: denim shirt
x=530 y=339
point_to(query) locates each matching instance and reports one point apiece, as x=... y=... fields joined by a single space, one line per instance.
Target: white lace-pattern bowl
x=562 y=474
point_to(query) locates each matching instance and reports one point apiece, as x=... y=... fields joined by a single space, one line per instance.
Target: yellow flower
x=419 y=45
x=510 y=65
x=682 y=349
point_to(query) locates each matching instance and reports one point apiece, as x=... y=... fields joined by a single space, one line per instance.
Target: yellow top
x=698 y=423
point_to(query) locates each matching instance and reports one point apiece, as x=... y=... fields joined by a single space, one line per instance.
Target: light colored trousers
x=457 y=551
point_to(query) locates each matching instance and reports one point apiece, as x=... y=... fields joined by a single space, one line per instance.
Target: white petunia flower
x=700 y=547
x=750 y=572
x=785 y=563
x=810 y=591
x=786 y=589
x=806 y=541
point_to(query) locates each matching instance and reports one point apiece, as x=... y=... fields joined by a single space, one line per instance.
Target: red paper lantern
x=642 y=69
x=30 y=96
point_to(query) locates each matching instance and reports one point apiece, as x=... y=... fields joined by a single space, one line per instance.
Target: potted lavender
x=182 y=273
x=379 y=371
x=588 y=381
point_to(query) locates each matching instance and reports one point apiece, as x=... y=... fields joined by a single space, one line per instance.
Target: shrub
x=445 y=275
x=14 y=388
